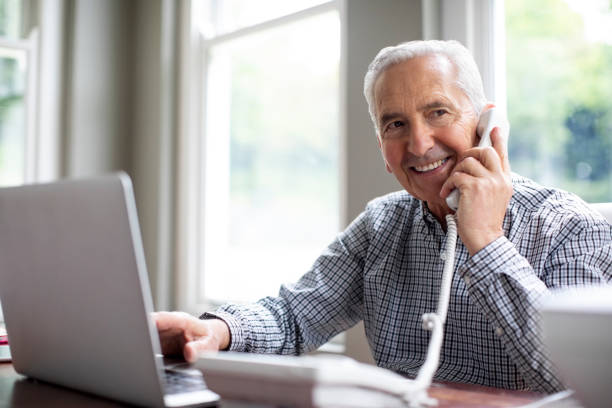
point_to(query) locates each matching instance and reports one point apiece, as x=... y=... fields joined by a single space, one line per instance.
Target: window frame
x=29 y=46
x=457 y=20
x=43 y=40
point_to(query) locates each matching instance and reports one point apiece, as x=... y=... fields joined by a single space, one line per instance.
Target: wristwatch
x=208 y=316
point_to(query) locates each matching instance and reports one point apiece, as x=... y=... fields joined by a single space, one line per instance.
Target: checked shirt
x=386 y=269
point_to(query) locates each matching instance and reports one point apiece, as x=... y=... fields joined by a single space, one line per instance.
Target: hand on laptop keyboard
x=183 y=334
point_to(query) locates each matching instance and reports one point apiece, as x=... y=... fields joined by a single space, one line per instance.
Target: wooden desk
x=472 y=396
x=19 y=391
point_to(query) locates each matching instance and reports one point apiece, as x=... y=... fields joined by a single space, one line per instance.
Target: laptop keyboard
x=179 y=381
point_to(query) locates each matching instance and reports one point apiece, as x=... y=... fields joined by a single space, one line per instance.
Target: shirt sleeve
x=508 y=289
x=324 y=302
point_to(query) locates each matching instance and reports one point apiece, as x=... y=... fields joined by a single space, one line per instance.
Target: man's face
x=425 y=122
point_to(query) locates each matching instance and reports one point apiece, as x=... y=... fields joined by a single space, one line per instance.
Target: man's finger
x=500 y=145
x=194 y=348
x=484 y=155
x=451 y=183
x=171 y=320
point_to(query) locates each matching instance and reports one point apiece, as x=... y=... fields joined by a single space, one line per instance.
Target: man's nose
x=421 y=139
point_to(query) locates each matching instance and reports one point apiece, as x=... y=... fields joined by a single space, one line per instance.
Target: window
x=550 y=63
x=13 y=89
x=559 y=82
x=269 y=192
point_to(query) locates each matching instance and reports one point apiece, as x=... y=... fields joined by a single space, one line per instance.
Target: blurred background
x=243 y=123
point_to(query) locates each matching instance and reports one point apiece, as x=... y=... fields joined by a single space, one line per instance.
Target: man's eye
x=439 y=117
x=439 y=112
x=397 y=123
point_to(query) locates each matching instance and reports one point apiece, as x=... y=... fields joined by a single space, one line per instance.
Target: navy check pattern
x=386 y=269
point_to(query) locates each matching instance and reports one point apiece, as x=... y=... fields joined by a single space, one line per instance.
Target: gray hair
x=468 y=76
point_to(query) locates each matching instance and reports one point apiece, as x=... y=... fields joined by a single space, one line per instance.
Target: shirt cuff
x=500 y=256
x=237 y=333
x=237 y=338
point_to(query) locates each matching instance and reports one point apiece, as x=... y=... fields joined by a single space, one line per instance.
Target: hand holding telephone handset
x=489 y=120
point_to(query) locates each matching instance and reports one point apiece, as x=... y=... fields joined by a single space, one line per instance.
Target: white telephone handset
x=488 y=120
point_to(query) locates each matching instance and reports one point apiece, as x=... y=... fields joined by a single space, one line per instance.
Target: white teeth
x=429 y=166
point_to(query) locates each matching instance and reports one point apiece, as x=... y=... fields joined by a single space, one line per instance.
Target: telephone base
x=305 y=382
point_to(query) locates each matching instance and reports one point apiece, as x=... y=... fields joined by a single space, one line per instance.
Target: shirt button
x=467 y=280
x=499 y=331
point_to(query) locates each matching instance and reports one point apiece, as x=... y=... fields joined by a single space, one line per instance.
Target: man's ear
x=383 y=156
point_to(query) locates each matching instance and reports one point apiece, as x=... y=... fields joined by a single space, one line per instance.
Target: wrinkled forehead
x=417 y=72
x=417 y=79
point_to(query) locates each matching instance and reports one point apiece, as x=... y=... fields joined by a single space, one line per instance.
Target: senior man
x=517 y=240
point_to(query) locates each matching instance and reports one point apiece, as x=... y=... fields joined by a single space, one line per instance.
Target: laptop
x=76 y=297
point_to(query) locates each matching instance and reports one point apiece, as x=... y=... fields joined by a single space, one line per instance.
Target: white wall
x=118 y=110
x=154 y=139
x=98 y=80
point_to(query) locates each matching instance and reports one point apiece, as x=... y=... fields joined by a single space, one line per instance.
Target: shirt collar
x=429 y=219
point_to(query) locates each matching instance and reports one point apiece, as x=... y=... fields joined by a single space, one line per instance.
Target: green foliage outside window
x=10 y=18
x=559 y=97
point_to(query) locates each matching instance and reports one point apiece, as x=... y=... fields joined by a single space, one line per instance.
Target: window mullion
x=273 y=23
x=479 y=25
x=31 y=117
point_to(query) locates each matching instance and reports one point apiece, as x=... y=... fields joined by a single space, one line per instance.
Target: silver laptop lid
x=74 y=288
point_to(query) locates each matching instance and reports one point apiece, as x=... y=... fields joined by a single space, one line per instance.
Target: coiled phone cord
x=417 y=394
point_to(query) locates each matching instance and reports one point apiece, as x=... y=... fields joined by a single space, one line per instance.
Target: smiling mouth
x=430 y=166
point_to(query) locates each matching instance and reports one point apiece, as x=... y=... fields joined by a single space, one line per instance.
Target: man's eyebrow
x=388 y=116
x=435 y=104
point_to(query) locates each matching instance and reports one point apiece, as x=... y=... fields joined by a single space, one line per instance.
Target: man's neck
x=440 y=212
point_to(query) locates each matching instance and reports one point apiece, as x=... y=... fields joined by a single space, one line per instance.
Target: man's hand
x=183 y=334
x=482 y=176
